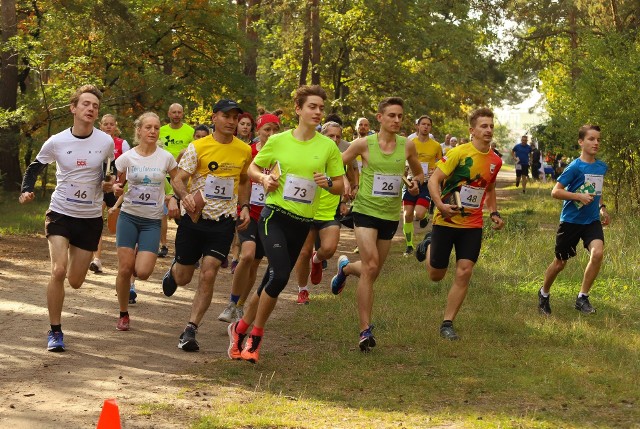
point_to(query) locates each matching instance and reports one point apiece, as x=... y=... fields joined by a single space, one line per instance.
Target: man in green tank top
x=376 y=210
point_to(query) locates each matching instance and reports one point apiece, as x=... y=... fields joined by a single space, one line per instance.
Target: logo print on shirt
x=81 y=162
x=69 y=152
x=492 y=168
x=213 y=166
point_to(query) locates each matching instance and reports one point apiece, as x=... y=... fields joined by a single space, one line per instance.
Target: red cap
x=265 y=119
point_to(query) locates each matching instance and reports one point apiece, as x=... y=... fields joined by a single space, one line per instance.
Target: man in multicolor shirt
x=215 y=165
x=469 y=173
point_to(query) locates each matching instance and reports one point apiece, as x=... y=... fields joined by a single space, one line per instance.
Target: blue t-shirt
x=522 y=153
x=574 y=176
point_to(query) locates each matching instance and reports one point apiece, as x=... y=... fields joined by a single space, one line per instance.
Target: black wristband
x=245 y=205
x=492 y=214
x=603 y=206
x=329 y=182
x=176 y=197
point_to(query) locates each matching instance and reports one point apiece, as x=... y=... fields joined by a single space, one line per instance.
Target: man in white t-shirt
x=73 y=223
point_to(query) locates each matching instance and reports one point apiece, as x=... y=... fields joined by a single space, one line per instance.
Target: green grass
x=18 y=219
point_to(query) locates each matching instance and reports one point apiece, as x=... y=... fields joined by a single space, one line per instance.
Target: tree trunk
x=306 y=46
x=315 y=41
x=250 y=67
x=9 y=136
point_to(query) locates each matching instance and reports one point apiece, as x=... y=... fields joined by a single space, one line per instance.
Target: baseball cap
x=225 y=105
x=265 y=119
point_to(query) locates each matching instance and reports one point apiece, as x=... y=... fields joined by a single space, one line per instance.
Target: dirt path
x=143 y=366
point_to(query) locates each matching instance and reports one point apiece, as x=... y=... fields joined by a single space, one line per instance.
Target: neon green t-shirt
x=299 y=160
x=175 y=140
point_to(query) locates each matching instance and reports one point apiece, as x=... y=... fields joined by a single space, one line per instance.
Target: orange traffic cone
x=110 y=416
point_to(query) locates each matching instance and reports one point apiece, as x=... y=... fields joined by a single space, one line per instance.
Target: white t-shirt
x=146 y=177
x=79 y=171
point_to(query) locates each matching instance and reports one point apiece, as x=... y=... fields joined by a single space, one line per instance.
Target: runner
x=216 y=167
x=325 y=225
x=469 y=173
x=582 y=217
x=73 y=223
x=144 y=168
x=301 y=160
x=376 y=210
x=175 y=136
x=521 y=153
x=109 y=125
x=251 y=248
x=416 y=207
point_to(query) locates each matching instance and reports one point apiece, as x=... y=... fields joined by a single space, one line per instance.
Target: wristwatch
x=329 y=182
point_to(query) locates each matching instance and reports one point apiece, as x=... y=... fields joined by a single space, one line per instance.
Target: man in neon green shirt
x=376 y=211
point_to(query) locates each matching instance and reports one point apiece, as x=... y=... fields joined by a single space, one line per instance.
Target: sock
x=258 y=332
x=301 y=288
x=133 y=286
x=546 y=295
x=124 y=313
x=580 y=295
x=56 y=328
x=241 y=303
x=407 y=228
x=315 y=258
x=447 y=323
x=242 y=326
x=192 y=325
x=235 y=299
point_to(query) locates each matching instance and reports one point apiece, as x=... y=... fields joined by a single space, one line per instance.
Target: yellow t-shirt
x=429 y=152
x=216 y=168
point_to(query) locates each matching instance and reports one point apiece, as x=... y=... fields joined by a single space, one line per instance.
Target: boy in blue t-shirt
x=521 y=153
x=582 y=217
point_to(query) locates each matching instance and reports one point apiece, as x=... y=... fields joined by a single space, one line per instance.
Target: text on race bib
x=386 y=185
x=143 y=195
x=257 y=195
x=597 y=180
x=80 y=193
x=425 y=169
x=218 y=188
x=299 y=189
x=471 y=197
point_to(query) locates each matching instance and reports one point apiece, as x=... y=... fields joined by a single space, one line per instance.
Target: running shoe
x=367 y=340
x=234 y=264
x=316 y=270
x=408 y=251
x=338 y=281
x=235 y=342
x=356 y=250
x=239 y=313
x=543 y=304
x=447 y=332
x=324 y=265
x=303 y=297
x=421 y=248
x=96 y=266
x=229 y=313
x=123 y=323
x=583 y=305
x=169 y=284
x=164 y=251
x=251 y=350
x=188 y=341
x=132 y=295
x=55 y=341
x=424 y=221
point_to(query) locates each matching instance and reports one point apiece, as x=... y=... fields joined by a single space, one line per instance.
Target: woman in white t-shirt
x=144 y=168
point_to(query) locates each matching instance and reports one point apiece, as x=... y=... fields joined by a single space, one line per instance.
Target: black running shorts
x=83 y=233
x=569 y=234
x=467 y=242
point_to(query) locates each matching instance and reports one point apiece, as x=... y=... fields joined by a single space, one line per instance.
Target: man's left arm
x=244 y=194
x=492 y=206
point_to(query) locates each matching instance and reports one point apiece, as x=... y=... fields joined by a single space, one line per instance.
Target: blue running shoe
x=367 y=340
x=132 y=296
x=169 y=284
x=55 y=341
x=338 y=281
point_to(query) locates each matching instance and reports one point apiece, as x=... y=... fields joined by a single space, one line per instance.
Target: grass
x=512 y=368
x=19 y=219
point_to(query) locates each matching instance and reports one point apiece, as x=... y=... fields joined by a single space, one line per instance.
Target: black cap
x=225 y=105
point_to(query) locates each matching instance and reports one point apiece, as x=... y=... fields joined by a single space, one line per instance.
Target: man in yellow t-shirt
x=416 y=207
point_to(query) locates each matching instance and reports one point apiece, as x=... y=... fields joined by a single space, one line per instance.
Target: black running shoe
x=424 y=221
x=421 y=248
x=164 y=251
x=448 y=333
x=367 y=340
x=169 y=284
x=583 y=305
x=543 y=304
x=408 y=251
x=188 y=341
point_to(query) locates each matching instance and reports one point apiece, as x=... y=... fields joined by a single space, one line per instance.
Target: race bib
x=518 y=166
x=299 y=189
x=425 y=169
x=386 y=185
x=143 y=195
x=80 y=193
x=597 y=180
x=471 y=197
x=218 y=188
x=257 y=194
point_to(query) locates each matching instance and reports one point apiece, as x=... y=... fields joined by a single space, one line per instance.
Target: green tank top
x=380 y=193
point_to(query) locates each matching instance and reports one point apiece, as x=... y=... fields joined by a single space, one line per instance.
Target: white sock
x=315 y=258
x=546 y=295
x=580 y=295
x=133 y=286
x=301 y=288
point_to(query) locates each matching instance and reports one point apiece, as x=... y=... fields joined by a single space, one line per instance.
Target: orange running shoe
x=251 y=351
x=235 y=342
x=303 y=297
x=316 y=271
